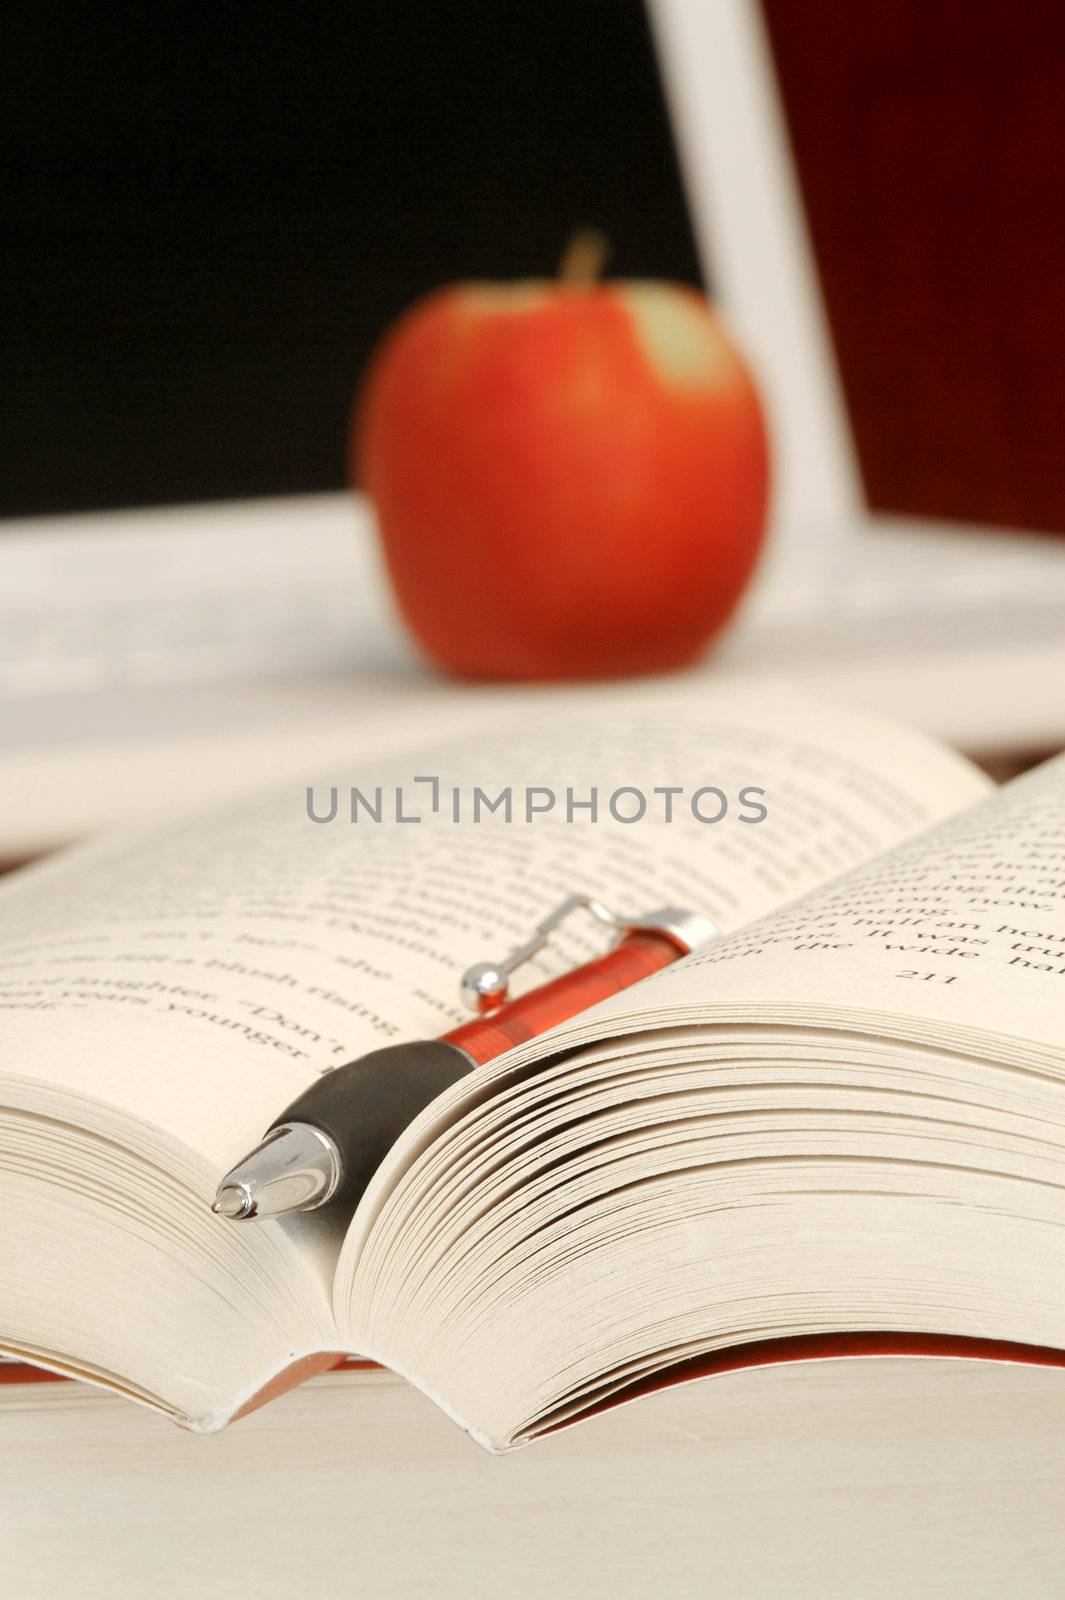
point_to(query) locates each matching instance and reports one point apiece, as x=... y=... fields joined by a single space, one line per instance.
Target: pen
x=326 y=1146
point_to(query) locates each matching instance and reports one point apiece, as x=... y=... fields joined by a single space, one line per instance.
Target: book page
x=955 y=939
x=198 y=978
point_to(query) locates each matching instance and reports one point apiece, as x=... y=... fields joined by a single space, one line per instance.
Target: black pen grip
x=366 y=1104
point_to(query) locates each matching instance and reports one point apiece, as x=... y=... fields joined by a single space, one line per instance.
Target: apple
x=570 y=478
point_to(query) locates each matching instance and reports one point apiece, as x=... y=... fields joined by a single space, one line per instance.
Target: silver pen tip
x=297 y=1167
x=232 y=1200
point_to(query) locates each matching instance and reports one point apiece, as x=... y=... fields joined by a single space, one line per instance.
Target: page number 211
x=928 y=977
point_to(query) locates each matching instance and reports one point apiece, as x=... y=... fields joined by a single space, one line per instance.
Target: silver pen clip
x=486 y=985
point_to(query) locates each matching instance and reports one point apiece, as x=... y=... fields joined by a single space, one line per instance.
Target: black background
x=210 y=217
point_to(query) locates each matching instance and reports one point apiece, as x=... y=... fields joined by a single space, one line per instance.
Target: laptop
x=958 y=628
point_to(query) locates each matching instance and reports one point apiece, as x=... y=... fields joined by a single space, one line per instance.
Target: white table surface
x=222 y=646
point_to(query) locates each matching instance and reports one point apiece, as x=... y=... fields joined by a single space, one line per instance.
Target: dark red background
x=931 y=143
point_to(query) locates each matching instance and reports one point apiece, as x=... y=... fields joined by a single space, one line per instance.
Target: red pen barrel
x=636 y=956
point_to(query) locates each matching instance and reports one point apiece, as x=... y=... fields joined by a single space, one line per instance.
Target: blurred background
x=206 y=229
x=207 y=226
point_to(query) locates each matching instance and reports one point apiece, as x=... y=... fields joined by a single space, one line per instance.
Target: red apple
x=570 y=480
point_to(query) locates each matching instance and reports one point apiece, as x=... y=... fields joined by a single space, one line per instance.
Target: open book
x=845 y=1114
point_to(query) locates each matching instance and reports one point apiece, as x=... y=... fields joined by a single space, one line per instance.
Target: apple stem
x=584 y=258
